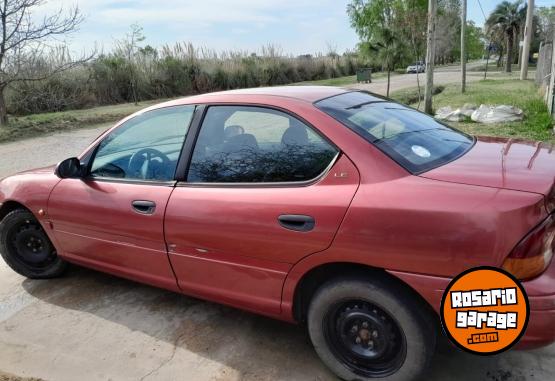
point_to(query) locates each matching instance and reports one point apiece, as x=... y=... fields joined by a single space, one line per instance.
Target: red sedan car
x=335 y=208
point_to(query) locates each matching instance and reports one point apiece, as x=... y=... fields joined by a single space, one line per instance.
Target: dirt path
x=45 y=150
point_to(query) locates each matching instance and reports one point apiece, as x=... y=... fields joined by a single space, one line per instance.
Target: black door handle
x=296 y=222
x=144 y=207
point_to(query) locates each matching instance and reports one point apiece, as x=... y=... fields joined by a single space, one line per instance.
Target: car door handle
x=296 y=222
x=144 y=206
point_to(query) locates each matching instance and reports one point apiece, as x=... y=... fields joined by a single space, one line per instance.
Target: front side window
x=146 y=147
x=243 y=144
x=413 y=139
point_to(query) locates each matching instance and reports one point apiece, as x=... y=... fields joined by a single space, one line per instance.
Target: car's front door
x=263 y=190
x=113 y=218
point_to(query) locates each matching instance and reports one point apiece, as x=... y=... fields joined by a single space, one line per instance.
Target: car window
x=255 y=145
x=413 y=139
x=146 y=147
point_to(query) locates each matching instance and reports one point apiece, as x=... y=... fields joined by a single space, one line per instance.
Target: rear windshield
x=413 y=139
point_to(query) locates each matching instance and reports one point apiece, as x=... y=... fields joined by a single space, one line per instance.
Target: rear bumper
x=541 y=325
x=540 y=331
x=541 y=295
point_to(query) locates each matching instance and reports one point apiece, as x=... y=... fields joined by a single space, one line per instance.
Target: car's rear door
x=261 y=191
x=113 y=218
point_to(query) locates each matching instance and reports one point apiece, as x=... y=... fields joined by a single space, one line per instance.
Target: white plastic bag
x=497 y=114
x=450 y=115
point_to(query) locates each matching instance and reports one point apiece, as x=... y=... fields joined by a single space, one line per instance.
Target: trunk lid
x=504 y=163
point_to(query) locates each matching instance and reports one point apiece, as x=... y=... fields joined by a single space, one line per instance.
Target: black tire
x=367 y=329
x=26 y=248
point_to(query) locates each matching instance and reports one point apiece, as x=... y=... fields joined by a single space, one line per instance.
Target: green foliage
x=375 y=21
x=475 y=41
x=56 y=93
x=134 y=73
x=389 y=36
x=505 y=23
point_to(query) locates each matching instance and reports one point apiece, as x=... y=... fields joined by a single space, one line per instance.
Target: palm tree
x=389 y=49
x=508 y=17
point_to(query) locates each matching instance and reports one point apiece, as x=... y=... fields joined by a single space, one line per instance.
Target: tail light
x=533 y=254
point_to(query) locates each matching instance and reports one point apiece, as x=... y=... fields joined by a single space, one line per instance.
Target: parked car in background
x=417 y=67
x=329 y=207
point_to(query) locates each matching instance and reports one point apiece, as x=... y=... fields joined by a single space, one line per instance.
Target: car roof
x=303 y=93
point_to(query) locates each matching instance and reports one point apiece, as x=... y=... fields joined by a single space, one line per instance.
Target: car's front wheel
x=26 y=248
x=366 y=329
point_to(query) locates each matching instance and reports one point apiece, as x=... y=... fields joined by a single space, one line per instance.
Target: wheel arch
x=309 y=282
x=9 y=206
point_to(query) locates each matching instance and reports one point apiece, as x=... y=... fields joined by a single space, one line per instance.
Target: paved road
x=91 y=326
x=442 y=76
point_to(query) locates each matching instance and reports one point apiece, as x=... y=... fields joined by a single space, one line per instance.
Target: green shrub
x=179 y=70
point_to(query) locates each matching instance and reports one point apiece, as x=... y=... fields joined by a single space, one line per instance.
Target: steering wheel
x=140 y=164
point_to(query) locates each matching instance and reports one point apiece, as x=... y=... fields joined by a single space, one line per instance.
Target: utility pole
x=430 y=56
x=527 y=40
x=463 y=46
x=487 y=61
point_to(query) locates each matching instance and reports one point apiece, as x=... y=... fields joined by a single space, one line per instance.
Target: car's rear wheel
x=366 y=329
x=26 y=248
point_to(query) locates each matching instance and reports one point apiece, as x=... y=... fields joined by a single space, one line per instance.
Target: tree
x=475 y=41
x=448 y=29
x=130 y=49
x=508 y=17
x=545 y=16
x=24 y=42
x=430 y=56
x=383 y=29
x=389 y=48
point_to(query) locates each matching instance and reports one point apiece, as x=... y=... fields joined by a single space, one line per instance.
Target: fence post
x=551 y=87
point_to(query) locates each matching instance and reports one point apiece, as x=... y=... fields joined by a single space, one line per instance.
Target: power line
x=480 y=4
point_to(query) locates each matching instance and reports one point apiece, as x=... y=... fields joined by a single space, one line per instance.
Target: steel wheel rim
x=365 y=338
x=30 y=245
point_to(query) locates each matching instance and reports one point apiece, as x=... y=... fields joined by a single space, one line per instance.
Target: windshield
x=413 y=139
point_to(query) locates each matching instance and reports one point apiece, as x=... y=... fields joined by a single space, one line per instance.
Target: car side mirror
x=69 y=169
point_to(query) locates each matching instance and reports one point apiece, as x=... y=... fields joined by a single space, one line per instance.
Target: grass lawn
x=38 y=124
x=537 y=124
x=342 y=81
x=492 y=67
x=339 y=81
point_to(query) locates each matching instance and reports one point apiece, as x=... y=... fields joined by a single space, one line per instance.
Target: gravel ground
x=45 y=150
x=10 y=377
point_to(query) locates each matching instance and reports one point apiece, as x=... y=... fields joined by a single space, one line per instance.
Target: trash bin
x=364 y=75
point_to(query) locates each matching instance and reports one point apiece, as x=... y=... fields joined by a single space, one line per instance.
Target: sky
x=296 y=26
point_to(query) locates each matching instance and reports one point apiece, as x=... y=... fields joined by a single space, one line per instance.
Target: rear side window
x=413 y=139
x=243 y=144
